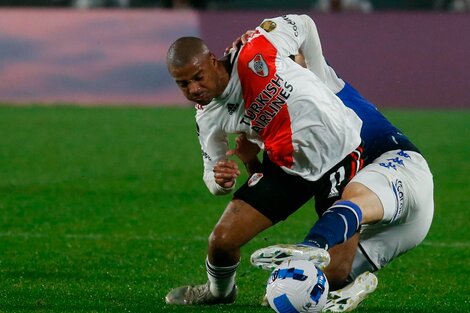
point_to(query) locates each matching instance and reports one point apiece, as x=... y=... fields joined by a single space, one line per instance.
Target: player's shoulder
x=255 y=42
x=204 y=111
x=204 y=122
x=211 y=115
x=285 y=23
x=256 y=54
x=271 y=26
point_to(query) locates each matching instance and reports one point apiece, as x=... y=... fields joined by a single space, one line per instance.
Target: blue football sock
x=339 y=223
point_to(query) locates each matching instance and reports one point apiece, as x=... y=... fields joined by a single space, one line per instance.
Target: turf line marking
x=26 y=235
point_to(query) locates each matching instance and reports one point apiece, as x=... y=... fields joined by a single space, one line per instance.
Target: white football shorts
x=403 y=182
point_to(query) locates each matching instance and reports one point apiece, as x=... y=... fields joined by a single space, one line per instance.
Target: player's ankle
x=318 y=242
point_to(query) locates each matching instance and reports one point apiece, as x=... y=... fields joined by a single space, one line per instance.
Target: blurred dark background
x=364 y=6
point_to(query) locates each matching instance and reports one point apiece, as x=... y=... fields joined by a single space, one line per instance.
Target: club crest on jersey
x=268 y=26
x=254 y=179
x=259 y=66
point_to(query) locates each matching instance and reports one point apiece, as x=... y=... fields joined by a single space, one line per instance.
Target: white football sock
x=222 y=279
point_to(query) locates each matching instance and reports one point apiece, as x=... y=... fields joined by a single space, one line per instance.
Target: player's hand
x=240 y=40
x=225 y=173
x=245 y=150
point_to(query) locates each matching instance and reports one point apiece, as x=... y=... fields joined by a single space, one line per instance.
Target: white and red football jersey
x=288 y=110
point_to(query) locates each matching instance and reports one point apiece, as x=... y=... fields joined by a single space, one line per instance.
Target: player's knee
x=371 y=206
x=221 y=240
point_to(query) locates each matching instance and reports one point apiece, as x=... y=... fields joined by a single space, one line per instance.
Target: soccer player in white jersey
x=311 y=143
x=307 y=135
x=394 y=170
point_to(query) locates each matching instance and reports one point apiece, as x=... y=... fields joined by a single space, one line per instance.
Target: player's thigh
x=403 y=183
x=370 y=204
x=274 y=193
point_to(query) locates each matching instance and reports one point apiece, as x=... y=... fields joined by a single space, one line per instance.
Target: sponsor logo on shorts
x=397 y=186
x=254 y=179
x=392 y=163
x=404 y=154
x=258 y=66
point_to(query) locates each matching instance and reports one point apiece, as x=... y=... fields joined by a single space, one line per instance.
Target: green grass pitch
x=104 y=210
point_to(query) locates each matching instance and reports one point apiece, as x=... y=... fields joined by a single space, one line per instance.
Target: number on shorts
x=336 y=178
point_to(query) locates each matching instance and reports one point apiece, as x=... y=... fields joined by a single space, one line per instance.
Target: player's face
x=198 y=80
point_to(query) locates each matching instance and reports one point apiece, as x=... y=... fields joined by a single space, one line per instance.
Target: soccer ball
x=297 y=286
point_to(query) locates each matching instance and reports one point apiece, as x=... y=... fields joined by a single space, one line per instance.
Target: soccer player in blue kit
x=407 y=206
x=384 y=210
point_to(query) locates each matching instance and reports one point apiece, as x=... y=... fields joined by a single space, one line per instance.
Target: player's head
x=195 y=69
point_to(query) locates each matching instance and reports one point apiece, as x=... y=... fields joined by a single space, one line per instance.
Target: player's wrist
x=227 y=186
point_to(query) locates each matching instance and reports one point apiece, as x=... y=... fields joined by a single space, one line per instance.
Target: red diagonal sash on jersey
x=265 y=95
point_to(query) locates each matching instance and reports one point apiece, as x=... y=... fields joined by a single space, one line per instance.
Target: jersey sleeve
x=294 y=34
x=214 y=145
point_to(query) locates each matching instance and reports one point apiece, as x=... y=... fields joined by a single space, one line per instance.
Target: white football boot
x=270 y=257
x=349 y=297
x=197 y=295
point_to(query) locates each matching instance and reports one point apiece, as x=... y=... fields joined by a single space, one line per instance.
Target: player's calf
x=339 y=223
